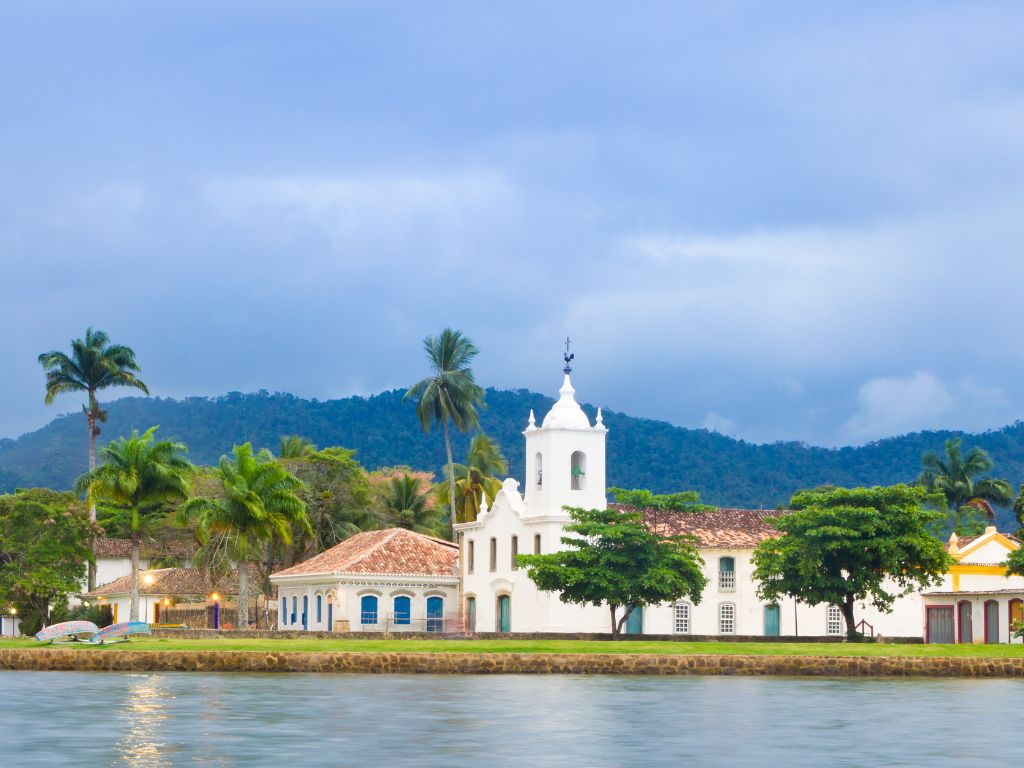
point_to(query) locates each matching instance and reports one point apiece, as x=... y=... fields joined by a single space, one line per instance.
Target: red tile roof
x=394 y=551
x=122 y=548
x=721 y=528
x=178 y=582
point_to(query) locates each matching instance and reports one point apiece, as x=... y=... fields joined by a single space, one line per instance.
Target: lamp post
x=216 y=610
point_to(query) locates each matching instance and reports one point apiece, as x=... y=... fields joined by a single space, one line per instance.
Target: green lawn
x=538 y=646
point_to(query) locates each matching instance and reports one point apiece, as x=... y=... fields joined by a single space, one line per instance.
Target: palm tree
x=955 y=476
x=295 y=447
x=449 y=393
x=478 y=477
x=259 y=502
x=94 y=364
x=405 y=503
x=143 y=476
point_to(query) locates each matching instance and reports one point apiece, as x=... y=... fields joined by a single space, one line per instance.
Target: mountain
x=642 y=453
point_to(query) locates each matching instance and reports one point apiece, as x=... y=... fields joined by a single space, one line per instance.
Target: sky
x=777 y=220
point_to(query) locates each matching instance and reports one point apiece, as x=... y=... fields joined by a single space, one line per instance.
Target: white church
x=402 y=581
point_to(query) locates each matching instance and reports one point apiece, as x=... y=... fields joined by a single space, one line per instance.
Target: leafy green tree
x=259 y=501
x=614 y=558
x=295 y=447
x=1018 y=510
x=94 y=364
x=477 y=478
x=449 y=395
x=142 y=477
x=957 y=477
x=407 y=505
x=45 y=544
x=336 y=493
x=846 y=545
x=658 y=509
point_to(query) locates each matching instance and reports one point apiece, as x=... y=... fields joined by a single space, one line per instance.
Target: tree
x=295 y=447
x=407 y=505
x=336 y=492
x=259 y=501
x=846 y=545
x=477 y=478
x=142 y=477
x=659 y=508
x=1018 y=510
x=449 y=394
x=957 y=477
x=94 y=364
x=45 y=544
x=615 y=558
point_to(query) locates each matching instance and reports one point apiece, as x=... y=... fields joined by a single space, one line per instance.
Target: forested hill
x=384 y=431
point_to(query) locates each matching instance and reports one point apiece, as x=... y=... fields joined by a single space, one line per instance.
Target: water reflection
x=104 y=719
x=142 y=719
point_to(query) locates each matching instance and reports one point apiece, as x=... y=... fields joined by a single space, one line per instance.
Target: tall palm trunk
x=243 y=594
x=133 y=613
x=91 y=420
x=451 y=482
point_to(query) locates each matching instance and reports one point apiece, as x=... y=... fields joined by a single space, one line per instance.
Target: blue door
x=403 y=609
x=471 y=614
x=771 y=621
x=305 y=611
x=504 y=614
x=330 y=613
x=635 y=622
x=435 y=614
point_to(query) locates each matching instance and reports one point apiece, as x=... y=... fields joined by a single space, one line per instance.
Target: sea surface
x=182 y=719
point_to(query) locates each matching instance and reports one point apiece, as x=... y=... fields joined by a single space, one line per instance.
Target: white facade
x=10 y=626
x=367 y=603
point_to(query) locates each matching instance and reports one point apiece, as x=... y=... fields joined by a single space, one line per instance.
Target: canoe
x=75 y=630
x=123 y=629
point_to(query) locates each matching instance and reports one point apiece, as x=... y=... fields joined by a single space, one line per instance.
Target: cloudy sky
x=777 y=220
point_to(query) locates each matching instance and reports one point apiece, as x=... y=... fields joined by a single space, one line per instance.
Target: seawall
x=113 y=660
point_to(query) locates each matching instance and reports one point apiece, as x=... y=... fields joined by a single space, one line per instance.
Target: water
x=180 y=719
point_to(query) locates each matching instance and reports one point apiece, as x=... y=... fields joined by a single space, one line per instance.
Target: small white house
x=393 y=580
x=10 y=625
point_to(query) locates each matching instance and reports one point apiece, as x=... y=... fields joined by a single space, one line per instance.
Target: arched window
x=368 y=609
x=470 y=556
x=991 y=621
x=539 y=463
x=578 y=471
x=494 y=554
x=681 y=619
x=515 y=551
x=536 y=543
x=964 y=622
x=727 y=619
x=403 y=610
x=726 y=574
x=283 y=616
x=1015 y=609
x=295 y=609
x=435 y=614
x=471 y=614
x=305 y=611
x=330 y=613
x=833 y=621
x=319 y=613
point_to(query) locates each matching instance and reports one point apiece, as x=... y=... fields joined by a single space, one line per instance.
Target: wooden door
x=772 y=616
x=965 y=627
x=939 y=623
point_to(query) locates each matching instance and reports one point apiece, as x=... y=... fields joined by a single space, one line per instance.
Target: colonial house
x=392 y=580
x=114 y=558
x=170 y=595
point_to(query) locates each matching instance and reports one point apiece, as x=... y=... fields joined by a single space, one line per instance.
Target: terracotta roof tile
x=392 y=551
x=721 y=528
x=177 y=581
x=122 y=548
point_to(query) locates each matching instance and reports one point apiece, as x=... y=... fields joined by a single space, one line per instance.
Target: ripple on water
x=156 y=720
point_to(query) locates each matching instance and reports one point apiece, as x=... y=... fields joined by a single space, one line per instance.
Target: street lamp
x=216 y=610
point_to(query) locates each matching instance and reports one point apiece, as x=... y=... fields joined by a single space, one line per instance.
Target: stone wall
x=112 y=659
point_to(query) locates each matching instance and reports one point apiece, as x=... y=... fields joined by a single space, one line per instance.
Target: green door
x=504 y=614
x=771 y=621
x=635 y=622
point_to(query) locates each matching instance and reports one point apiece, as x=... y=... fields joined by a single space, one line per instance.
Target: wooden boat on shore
x=71 y=631
x=123 y=630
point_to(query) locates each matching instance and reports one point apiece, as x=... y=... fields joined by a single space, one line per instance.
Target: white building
x=377 y=581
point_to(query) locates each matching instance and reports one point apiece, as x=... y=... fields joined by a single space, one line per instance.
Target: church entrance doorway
x=504 y=623
x=635 y=622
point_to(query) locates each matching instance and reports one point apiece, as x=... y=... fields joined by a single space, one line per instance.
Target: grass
x=537 y=646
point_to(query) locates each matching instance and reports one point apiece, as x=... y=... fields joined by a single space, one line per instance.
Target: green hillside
x=384 y=431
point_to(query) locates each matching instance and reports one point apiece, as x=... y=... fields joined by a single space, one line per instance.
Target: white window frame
x=681 y=617
x=833 y=621
x=727 y=618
